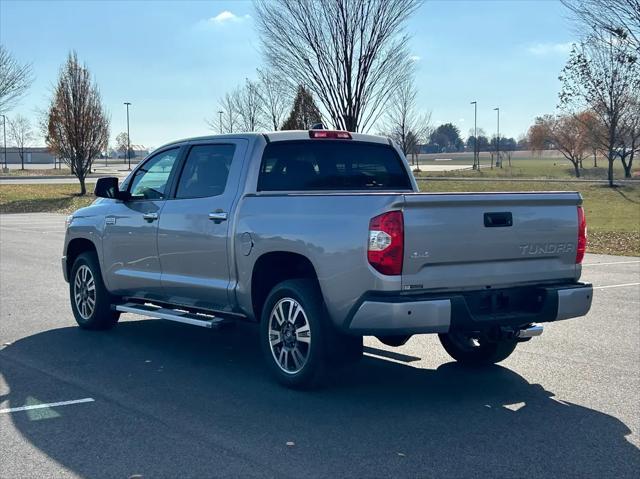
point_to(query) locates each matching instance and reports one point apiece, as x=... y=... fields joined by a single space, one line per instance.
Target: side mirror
x=108 y=188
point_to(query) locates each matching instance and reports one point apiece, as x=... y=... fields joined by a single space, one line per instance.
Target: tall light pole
x=498 y=138
x=476 y=159
x=220 y=112
x=4 y=134
x=128 y=138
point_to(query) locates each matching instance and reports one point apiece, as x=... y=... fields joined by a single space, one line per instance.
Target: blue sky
x=174 y=60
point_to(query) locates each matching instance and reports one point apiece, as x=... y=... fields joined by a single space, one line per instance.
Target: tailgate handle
x=498 y=220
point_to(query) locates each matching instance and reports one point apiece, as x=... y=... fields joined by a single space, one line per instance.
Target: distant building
x=137 y=151
x=33 y=155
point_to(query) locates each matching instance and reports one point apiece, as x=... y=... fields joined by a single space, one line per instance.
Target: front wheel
x=476 y=350
x=90 y=300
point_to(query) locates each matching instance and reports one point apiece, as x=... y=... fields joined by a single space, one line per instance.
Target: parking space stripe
x=616 y=285
x=614 y=262
x=42 y=406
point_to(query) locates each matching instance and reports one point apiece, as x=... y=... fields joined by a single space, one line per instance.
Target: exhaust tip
x=530 y=332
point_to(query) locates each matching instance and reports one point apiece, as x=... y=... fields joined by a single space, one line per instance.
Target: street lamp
x=475 y=135
x=498 y=139
x=4 y=134
x=220 y=112
x=128 y=138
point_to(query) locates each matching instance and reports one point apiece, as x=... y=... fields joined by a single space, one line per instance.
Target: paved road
x=179 y=401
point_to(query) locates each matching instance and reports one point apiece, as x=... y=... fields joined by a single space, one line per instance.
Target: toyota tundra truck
x=323 y=237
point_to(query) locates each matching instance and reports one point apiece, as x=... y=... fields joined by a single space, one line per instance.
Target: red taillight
x=342 y=135
x=386 y=243
x=582 y=236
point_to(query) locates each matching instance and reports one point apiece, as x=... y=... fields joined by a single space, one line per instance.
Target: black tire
x=476 y=351
x=321 y=347
x=101 y=316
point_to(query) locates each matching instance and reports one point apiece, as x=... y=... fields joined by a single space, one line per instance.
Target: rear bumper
x=468 y=311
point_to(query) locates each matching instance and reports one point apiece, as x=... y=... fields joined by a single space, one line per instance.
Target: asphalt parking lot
x=157 y=399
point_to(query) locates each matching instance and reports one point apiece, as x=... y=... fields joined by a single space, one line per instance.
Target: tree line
x=599 y=102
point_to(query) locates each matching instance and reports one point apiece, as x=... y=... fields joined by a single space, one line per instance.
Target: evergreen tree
x=304 y=114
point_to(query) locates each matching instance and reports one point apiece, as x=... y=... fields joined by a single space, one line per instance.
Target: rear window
x=331 y=165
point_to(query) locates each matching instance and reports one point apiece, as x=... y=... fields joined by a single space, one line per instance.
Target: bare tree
x=570 y=136
x=402 y=121
x=629 y=140
x=15 y=80
x=248 y=106
x=413 y=141
x=226 y=119
x=275 y=97
x=602 y=75
x=77 y=126
x=617 y=17
x=122 y=143
x=595 y=131
x=22 y=135
x=352 y=54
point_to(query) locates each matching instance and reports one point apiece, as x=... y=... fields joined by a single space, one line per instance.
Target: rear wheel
x=476 y=350
x=90 y=300
x=297 y=340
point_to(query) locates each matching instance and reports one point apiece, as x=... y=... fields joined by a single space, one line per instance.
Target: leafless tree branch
x=15 y=80
x=351 y=54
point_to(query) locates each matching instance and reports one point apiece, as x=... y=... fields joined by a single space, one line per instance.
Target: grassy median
x=613 y=214
x=49 y=198
x=531 y=168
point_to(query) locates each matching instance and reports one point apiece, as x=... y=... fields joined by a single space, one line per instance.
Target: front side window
x=331 y=165
x=150 y=181
x=206 y=171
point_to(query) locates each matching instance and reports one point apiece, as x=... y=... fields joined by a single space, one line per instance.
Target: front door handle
x=218 y=216
x=150 y=216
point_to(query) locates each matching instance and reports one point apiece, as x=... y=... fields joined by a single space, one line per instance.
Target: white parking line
x=616 y=285
x=615 y=262
x=42 y=406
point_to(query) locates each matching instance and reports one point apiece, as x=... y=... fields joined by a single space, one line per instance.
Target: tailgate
x=479 y=240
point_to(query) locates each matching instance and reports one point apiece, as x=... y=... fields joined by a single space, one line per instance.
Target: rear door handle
x=218 y=216
x=150 y=216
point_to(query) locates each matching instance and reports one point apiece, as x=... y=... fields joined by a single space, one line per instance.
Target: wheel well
x=273 y=268
x=75 y=248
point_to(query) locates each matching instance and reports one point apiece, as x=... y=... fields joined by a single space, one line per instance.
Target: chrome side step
x=530 y=332
x=202 y=320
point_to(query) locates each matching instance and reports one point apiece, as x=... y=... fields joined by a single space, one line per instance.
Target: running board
x=202 y=320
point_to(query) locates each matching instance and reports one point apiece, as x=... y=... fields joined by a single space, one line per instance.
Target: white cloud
x=227 y=16
x=543 y=49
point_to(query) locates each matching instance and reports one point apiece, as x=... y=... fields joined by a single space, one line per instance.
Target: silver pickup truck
x=322 y=237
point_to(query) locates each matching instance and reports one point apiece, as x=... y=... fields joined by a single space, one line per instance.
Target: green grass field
x=543 y=168
x=613 y=214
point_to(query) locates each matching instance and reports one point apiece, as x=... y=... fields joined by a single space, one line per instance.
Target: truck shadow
x=210 y=389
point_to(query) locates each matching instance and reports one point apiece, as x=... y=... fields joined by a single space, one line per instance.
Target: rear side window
x=331 y=165
x=205 y=171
